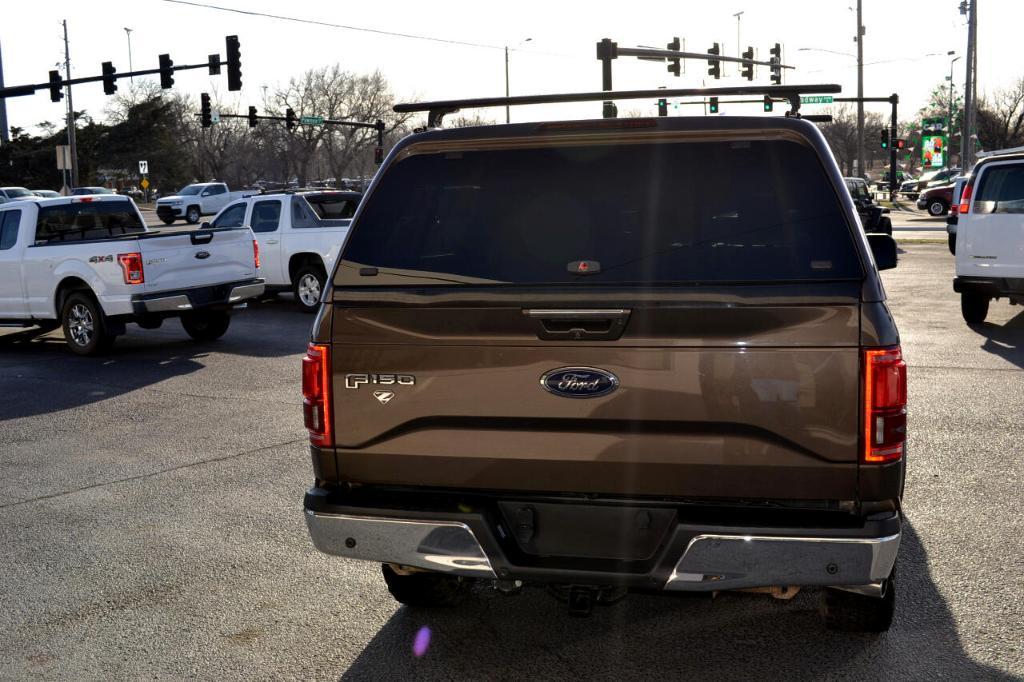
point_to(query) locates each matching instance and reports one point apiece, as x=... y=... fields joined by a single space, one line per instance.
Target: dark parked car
x=92 y=190
x=935 y=178
x=648 y=354
x=936 y=200
x=873 y=217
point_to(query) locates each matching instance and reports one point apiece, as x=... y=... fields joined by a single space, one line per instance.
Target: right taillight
x=316 y=394
x=965 y=196
x=885 y=405
x=131 y=267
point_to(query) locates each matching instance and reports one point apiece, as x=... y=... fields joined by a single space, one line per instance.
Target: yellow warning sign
x=145 y=183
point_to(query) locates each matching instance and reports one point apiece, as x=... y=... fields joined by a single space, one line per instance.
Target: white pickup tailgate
x=196 y=258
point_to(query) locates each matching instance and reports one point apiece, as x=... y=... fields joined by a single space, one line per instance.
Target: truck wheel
x=885 y=226
x=206 y=325
x=974 y=307
x=425 y=590
x=85 y=329
x=851 y=612
x=168 y=221
x=937 y=207
x=192 y=215
x=308 y=285
x=951 y=239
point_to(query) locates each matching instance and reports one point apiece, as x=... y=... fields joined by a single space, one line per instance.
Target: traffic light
x=109 y=79
x=885 y=138
x=252 y=117
x=673 y=64
x=234 y=64
x=56 y=92
x=776 y=60
x=748 y=68
x=166 y=72
x=378 y=155
x=714 y=66
x=213 y=64
x=768 y=104
x=205 y=112
x=713 y=105
x=900 y=144
x=289 y=118
x=662 y=107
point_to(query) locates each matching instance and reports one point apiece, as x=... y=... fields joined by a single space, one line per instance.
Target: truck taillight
x=885 y=405
x=965 y=196
x=316 y=394
x=256 y=253
x=131 y=267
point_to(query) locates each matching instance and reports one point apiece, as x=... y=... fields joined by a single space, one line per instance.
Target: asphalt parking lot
x=151 y=526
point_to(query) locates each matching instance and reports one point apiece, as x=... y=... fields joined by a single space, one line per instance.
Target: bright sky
x=905 y=45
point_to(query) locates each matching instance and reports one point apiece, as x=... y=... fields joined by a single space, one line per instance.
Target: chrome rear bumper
x=709 y=562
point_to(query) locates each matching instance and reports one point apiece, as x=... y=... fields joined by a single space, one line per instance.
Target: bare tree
x=1001 y=118
x=841 y=135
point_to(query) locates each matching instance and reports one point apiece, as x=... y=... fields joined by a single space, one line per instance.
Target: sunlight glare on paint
x=422 y=641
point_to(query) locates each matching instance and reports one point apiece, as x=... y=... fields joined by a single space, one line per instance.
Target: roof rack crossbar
x=438 y=110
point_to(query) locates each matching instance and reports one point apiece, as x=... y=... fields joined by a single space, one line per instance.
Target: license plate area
x=582 y=531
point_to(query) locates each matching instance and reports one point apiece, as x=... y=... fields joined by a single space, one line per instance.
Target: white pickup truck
x=299 y=235
x=195 y=201
x=91 y=265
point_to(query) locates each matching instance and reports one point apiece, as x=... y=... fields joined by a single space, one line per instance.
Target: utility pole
x=71 y=111
x=860 y=91
x=949 y=115
x=970 y=62
x=739 y=50
x=5 y=132
x=508 y=115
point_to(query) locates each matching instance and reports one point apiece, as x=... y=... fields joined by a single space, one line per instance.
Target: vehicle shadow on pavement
x=735 y=635
x=1006 y=341
x=40 y=375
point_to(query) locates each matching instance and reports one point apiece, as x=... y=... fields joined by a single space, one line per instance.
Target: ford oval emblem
x=202 y=255
x=579 y=382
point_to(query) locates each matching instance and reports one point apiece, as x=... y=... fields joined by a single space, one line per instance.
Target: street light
x=508 y=115
x=128 y=32
x=949 y=117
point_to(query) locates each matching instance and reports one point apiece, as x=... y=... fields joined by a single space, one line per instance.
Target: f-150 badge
x=101 y=259
x=384 y=397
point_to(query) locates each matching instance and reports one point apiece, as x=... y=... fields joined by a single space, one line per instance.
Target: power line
x=328 y=24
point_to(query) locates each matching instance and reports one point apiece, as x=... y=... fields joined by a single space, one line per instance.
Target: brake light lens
x=885 y=405
x=316 y=394
x=256 y=253
x=131 y=267
x=965 y=196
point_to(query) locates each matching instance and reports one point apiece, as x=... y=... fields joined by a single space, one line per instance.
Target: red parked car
x=936 y=200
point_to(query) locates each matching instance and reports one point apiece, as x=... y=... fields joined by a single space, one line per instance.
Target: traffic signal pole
x=893 y=100
x=71 y=111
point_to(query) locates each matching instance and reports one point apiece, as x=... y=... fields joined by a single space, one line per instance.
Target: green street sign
x=311 y=120
x=815 y=99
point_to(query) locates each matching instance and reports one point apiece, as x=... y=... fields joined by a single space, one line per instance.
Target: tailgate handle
x=201 y=237
x=579 y=325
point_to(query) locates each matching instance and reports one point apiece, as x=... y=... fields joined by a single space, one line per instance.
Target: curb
x=922 y=240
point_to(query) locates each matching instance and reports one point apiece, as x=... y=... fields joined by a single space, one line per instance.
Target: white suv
x=990 y=236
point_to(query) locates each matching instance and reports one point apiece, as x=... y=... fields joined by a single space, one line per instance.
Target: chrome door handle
x=271 y=241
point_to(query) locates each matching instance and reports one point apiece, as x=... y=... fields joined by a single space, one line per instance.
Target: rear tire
x=885 y=226
x=974 y=307
x=85 y=327
x=851 y=612
x=937 y=207
x=206 y=325
x=426 y=590
x=951 y=240
x=307 y=287
x=193 y=215
x=168 y=221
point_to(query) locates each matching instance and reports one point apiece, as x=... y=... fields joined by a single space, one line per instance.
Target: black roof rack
x=438 y=110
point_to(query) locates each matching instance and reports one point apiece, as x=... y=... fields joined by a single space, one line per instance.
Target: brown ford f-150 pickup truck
x=611 y=355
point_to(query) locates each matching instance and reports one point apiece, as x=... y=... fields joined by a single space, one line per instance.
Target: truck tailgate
x=744 y=401
x=196 y=258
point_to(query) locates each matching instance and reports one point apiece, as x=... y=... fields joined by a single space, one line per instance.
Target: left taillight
x=256 y=253
x=316 y=394
x=885 y=405
x=131 y=267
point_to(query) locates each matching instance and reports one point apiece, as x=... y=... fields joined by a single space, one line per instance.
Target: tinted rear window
x=87 y=220
x=636 y=214
x=1001 y=190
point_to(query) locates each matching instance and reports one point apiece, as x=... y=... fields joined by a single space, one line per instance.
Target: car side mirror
x=883 y=248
